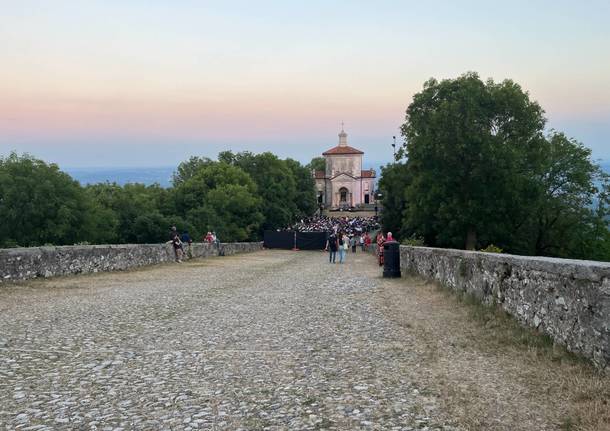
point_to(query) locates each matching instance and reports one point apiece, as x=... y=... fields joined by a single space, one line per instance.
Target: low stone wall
x=26 y=263
x=567 y=299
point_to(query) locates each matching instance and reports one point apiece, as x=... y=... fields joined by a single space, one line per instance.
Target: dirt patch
x=488 y=372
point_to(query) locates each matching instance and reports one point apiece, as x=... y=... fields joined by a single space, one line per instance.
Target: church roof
x=342 y=149
x=368 y=174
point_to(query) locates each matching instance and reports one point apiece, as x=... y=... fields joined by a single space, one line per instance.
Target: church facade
x=344 y=184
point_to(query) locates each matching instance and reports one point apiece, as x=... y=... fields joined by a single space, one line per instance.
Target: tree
x=139 y=213
x=305 y=198
x=317 y=164
x=569 y=218
x=480 y=171
x=222 y=198
x=469 y=145
x=392 y=185
x=188 y=168
x=276 y=186
x=39 y=204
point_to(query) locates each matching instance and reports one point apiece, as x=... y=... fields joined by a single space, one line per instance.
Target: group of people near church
x=182 y=243
x=349 y=225
x=340 y=242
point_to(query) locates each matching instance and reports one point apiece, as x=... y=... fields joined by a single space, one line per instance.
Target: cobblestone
x=268 y=340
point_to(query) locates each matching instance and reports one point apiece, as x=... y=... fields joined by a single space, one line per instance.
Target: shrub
x=413 y=240
x=491 y=249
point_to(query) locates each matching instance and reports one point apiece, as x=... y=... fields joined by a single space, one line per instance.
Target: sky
x=150 y=82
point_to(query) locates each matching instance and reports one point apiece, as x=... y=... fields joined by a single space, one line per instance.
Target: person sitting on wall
x=208 y=238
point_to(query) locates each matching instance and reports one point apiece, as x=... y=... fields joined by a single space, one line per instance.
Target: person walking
x=341 y=243
x=353 y=242
x=361 y=240
x=332 y=245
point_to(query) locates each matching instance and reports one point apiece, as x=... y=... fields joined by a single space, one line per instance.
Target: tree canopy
x=39 y=204
x=237 y=197
x=480 y=170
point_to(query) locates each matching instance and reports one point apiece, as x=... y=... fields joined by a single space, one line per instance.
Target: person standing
x=380 y=242
x=332 y=245
x=174 y=239
x=361 y=240
x=344 y=243
x=186 y=243
x=353 y=242
x=367 y=241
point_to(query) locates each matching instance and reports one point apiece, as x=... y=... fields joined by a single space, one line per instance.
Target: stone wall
x=26 y=263
x=567 y=299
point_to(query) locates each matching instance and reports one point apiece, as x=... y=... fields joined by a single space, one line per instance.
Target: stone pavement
x=268 y=340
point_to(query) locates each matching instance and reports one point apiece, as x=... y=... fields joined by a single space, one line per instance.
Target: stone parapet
x=26 y=263
x=567 y=299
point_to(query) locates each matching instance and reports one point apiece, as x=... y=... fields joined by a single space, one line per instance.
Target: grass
x=508 y=332
x=556 y=372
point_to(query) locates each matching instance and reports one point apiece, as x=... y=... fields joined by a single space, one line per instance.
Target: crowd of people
x=182 y=243
x=348 y=225
x=340 y=242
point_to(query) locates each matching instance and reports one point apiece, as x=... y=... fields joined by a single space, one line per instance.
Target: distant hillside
x=148 y=176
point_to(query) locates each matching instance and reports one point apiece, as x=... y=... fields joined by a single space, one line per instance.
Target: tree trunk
x=471 y=239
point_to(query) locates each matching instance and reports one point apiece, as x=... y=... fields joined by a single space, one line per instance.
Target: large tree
x=469 y=145
x=392 y=186
x=39 y=204
x=305 y=197
x=480 y=170
x=276 y=185
x=223 y=198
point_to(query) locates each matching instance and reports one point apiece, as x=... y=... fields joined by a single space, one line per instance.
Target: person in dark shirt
x=186 y=244
x=174 y=239
x=332 y=244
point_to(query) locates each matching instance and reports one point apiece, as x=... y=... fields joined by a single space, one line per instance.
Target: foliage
x=317 y=164
x=392 y=185
x=491 y=249
x=237 y=197
x=413 y=240
x=223 y=198
x=277 y=185
x=39 y=204
x=133 y=213
x=188 y=168
x=480 y=170
x=305 y=196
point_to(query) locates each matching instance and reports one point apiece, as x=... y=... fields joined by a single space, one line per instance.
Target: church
x=344 y=184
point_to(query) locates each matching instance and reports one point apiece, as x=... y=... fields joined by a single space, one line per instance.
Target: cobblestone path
x=268 y=340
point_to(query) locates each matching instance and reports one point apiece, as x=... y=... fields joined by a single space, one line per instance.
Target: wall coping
x=586 y=269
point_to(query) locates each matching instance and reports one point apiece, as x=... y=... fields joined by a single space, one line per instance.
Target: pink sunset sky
x=149 y=83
